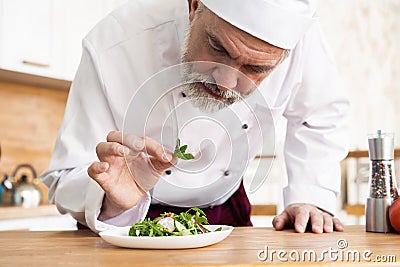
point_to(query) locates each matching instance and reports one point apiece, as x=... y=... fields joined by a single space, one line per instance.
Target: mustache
x=210 y=83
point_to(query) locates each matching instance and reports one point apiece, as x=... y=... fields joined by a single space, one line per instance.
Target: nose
x=225 y=77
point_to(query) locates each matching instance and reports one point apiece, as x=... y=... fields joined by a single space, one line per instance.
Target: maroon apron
x=235 y=211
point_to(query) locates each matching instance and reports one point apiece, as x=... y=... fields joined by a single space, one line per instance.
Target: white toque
x=281 y=23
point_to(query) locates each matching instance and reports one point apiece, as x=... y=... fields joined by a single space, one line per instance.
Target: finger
x=301 y=219
x=138 y=144
x=157 y=151
x=337 y=225
x=133 y=142
x=96 y=169
x=161 y=166
x=328 y=223
x=105 y=149
x=317 y=221
x=281 y=221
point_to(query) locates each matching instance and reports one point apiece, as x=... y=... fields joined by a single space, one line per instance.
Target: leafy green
x=190 y=222
x=147 y=227
x=180 y=151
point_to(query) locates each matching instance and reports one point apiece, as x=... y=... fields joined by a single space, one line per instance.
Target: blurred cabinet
x=26 y=28
x=43 y=37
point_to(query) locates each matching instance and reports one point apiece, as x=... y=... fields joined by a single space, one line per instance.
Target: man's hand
x=122 y=164
x=300 y=215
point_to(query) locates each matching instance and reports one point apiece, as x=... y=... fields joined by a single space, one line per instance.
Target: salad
x=190 y=222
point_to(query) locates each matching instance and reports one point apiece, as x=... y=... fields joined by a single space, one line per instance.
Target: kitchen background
x=40 y=50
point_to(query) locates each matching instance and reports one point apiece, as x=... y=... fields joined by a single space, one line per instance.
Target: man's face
x=244 y=61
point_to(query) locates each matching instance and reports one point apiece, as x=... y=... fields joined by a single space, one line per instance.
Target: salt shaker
x=382 y=183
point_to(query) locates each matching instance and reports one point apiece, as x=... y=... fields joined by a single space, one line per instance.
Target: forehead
x=236 y=41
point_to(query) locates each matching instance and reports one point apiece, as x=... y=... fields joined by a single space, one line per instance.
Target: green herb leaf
x=190 y=222
x=180 y=151
x=183 y=148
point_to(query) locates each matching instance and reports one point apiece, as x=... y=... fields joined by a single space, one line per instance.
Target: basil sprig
x=180 y=151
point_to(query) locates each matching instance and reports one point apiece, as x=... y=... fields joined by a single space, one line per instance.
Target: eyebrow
x=219 y=46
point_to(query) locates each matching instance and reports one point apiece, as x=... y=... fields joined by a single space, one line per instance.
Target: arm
x=87 y=121
x=316 y=141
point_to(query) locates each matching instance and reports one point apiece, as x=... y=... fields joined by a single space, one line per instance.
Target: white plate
x=119 y=237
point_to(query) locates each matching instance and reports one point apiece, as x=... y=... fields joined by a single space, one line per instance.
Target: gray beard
x=200 y=98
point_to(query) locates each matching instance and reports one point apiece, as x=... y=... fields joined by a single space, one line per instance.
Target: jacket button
x=227 y=173
x=183 y=94
x=245 y=126
x=168 y=172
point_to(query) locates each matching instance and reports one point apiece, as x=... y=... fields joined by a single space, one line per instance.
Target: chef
x=245 y=65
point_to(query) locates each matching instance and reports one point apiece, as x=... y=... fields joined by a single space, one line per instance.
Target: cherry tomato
x=394 y=215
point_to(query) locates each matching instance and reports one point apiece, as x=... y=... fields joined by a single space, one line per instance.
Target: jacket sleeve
x=87 y=120
x=316 y=139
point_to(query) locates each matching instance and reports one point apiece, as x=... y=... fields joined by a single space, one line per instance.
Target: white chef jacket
x=144 y=37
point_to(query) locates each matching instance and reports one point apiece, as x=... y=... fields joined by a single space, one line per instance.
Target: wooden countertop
x=241 y=248
x=18 y=212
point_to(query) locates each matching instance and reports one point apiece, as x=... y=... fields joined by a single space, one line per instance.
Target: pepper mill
x=382 y=183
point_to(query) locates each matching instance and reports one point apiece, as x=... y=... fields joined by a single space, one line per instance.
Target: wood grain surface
x=241 y=248
x=18 y=212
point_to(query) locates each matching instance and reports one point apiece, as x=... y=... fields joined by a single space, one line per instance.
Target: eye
x=216 y=47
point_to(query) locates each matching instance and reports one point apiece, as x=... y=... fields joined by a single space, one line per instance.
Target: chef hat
x=281 y=23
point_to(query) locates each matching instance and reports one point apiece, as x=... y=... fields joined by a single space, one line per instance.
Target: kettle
x=20 y=191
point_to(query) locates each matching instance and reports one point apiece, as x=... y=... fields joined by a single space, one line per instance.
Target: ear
x=193 y=4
